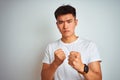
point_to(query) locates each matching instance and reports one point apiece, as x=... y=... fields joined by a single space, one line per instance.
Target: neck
x=69 y=39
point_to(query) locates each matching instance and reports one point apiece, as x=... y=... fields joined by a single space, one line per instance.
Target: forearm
x=48 y=73
x=92 y=75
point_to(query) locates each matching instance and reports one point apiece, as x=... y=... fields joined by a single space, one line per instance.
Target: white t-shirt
x=87 y=50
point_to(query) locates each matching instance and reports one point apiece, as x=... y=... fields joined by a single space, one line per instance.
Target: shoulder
x=86 y=42
x=53 y=44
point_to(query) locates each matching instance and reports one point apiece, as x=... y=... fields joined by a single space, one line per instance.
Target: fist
x=75 y=61
x=59 y=56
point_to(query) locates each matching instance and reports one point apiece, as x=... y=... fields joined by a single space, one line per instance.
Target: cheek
x=72 y=27
x=60 y=28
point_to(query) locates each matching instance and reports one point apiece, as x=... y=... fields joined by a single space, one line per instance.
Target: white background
x=27 y=26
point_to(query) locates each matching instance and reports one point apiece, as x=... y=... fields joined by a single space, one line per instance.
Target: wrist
x=86 y=68
x=83 y=69
x=55 y=65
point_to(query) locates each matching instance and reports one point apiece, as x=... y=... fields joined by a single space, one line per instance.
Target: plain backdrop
x=27 y=26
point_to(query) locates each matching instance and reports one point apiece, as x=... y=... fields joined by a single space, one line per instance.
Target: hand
x=75 y=61
x=59 y=56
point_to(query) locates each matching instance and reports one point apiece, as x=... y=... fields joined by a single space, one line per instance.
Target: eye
x=60 y=22
x=69 y=21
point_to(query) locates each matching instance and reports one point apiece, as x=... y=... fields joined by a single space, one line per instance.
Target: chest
x=83 y=50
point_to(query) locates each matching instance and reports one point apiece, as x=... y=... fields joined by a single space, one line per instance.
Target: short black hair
x=65 y=9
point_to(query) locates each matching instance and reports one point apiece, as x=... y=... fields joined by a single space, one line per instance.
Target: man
x=71 y=57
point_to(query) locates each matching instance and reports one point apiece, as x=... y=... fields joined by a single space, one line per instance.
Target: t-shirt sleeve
x=46 y=57
x=94 y=54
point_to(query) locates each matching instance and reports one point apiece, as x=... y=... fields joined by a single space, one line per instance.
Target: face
x=66 y=25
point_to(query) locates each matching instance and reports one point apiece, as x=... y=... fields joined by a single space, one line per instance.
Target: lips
x=66 y=31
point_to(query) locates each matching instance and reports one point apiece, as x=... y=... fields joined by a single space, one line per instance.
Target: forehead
x=65 y=17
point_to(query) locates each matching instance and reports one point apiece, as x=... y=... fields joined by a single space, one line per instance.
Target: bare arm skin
x=94 y=71
x=48 y=70
x=94 y=67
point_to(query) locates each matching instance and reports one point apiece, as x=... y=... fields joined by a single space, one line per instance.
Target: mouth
x=66 y=31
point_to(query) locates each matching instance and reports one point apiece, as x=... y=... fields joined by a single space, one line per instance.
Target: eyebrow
x=65 y=20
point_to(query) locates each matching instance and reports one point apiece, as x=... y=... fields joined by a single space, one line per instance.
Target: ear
x=57 y=24
x=76 y=22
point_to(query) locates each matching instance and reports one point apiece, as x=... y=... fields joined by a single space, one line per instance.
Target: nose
x=65 y=25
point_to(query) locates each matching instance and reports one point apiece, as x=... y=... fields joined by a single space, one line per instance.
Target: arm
x=94 y=72
x=48 y=70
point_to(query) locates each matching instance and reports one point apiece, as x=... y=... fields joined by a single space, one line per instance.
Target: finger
x=71 y=57
x=70 y=63
x=76 y=54
x=72 y=52
x=59 y=50
x=74 y=63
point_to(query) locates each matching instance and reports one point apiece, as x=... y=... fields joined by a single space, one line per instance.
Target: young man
x=71 y=57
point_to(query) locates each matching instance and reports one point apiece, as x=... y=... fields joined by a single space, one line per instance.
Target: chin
x=65 y=36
